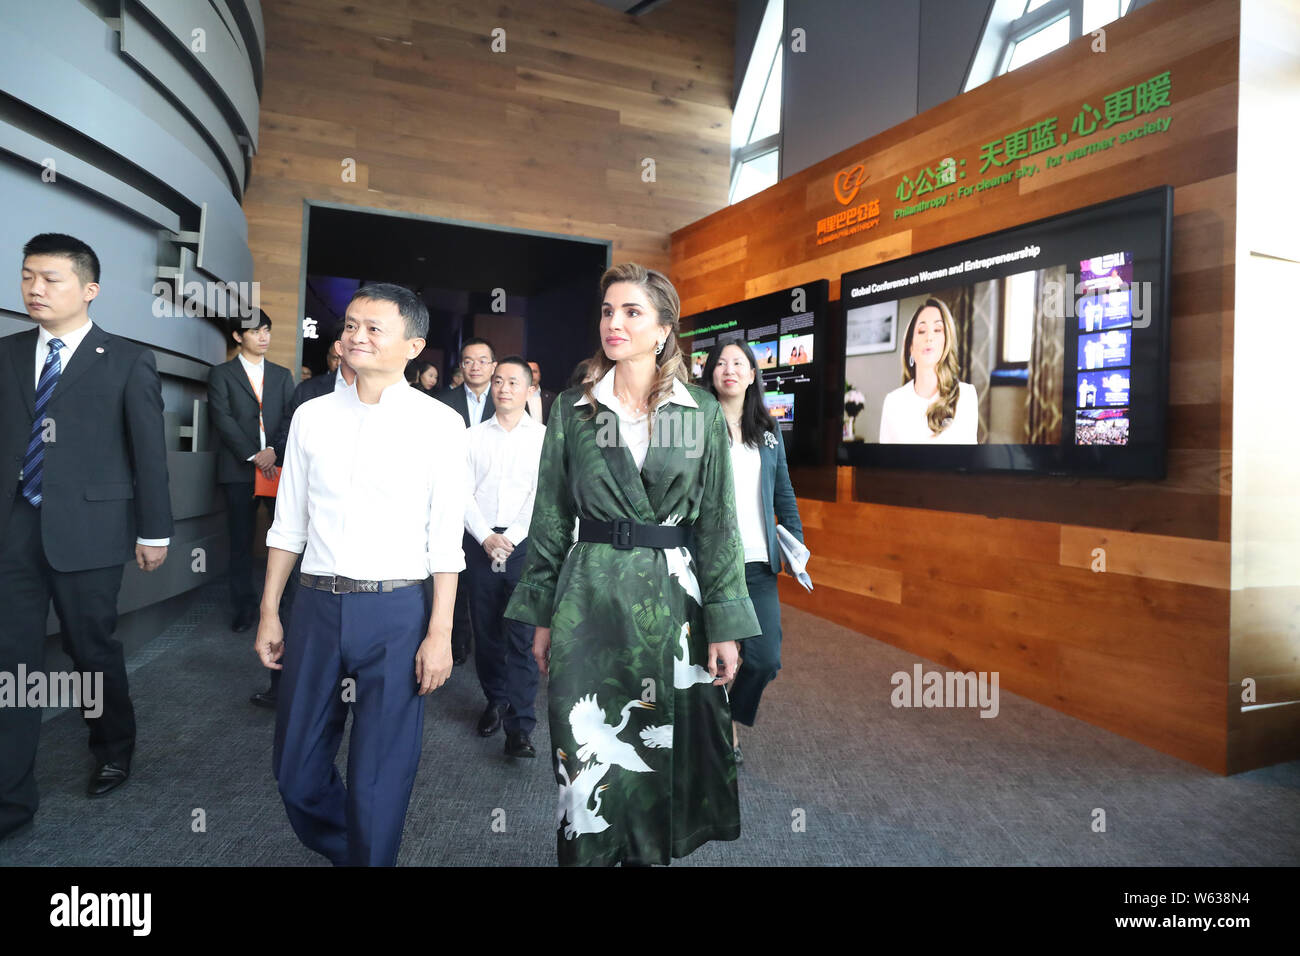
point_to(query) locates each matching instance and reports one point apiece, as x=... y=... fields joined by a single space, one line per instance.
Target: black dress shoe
x=264 y=698
x=243 y=620
x=108 y=776
x=490 y=722
x=518 y=744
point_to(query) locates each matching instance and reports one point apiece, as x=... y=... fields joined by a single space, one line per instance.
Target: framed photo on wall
x=872 y=329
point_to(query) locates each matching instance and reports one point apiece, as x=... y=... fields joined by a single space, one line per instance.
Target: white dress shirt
x=70 y=342
x=903 y=421
x=747 y=478
x=256 y=374
x=503 y=468
x=475 y=405
x=634 y=430
x=535 y=405
x=374 y=492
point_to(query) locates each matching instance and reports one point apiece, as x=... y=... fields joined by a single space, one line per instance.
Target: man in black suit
x=473 y=400
x=341 y=375
x=83 y=490
x=248 y=398
x=539 y=403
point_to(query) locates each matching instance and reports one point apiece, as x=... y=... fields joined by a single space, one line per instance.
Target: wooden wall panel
x=995 y=572
x=549 y=135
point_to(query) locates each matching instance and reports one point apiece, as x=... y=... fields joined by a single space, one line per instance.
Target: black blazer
x=105 y=472
x=314 y=387
x=455 y=397
x=232 y=407
x=548 y=399
x=777 y=494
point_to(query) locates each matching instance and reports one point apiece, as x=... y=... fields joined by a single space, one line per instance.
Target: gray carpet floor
x=833 y=775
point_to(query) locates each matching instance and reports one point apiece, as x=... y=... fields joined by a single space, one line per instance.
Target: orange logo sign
x=848 y=182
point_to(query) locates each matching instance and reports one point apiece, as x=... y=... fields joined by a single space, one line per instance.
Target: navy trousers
x=503 y=649
x=371 y=638
x=760 y=656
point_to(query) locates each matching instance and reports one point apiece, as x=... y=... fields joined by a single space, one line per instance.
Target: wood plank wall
x=549 y=135
x=993 y=572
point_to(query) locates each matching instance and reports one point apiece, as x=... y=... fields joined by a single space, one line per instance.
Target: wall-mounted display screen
x=786 y=332
x=1043 y=347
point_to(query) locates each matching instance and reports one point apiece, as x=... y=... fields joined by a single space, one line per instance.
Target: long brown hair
x=941 y=411
x=670 y=364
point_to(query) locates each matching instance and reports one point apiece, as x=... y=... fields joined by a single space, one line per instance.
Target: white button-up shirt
x=70 y=342
x=503 y=469
x=374 y=492
x=635 y=431
x=475 y=404
x=256 y=375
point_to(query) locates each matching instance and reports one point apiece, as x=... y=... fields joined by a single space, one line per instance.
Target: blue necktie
x=34 y=462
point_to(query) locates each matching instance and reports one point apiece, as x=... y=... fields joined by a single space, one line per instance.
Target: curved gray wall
x=145 y=112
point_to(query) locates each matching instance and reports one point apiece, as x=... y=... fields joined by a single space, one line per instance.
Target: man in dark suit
x=539 y=403
x=473 y=400
x=83 y=489
x=248 y=397
x=341 y=375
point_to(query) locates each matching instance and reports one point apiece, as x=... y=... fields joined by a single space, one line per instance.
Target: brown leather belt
x=336 y=584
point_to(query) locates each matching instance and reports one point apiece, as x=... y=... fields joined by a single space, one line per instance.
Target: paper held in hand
x=795 y=555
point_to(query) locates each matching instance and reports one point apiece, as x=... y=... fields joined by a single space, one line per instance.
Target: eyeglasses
x=470 y=363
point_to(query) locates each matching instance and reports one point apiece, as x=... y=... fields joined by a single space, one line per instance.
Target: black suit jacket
x=105 y=473
x=314 y=387
x=232 y=407
x=455 y=397
x=548 y=399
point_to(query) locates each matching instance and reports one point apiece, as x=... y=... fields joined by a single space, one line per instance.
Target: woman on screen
x=931 y=405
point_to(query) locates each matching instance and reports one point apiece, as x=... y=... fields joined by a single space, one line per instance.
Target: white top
x=503 y=468
x=256 y=373
x=634 y=432
x=374 y=492
x=339 y=382
x=475 y=405
x=746 y=473
x=70 y=342
x=903 y=422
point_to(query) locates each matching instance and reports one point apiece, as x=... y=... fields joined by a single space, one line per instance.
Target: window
x=756 y=121
x=1021 y=31
x=1016 y=329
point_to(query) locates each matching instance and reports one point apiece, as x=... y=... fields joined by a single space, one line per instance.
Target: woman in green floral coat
x=637 y=614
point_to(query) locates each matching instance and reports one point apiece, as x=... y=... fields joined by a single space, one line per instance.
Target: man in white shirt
x=505 y=452
x=472 y=399
x=374 y=512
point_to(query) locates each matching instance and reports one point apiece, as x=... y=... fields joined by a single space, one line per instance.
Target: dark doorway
x=532 y=293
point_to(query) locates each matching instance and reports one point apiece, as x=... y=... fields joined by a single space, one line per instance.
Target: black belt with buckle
x=625 y=535
x=341 y=585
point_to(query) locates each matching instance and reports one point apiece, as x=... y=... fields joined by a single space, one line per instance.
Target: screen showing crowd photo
x=1039 y=348
x=784 y=333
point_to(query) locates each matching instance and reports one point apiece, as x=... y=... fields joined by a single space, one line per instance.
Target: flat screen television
x=1039 y=348
x=786 y=331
